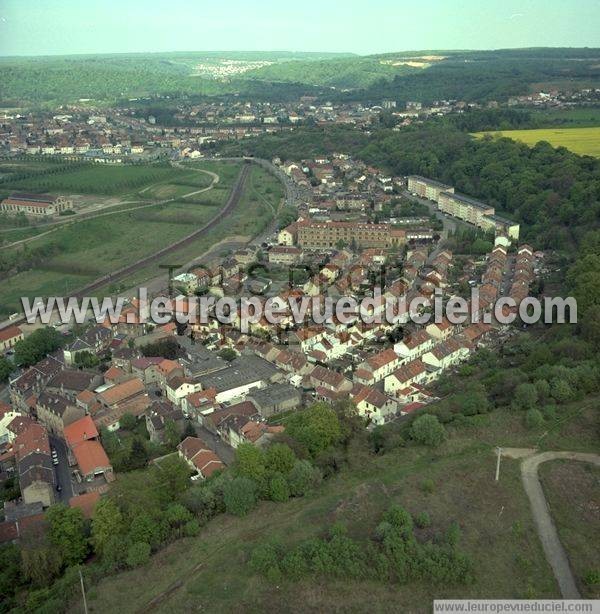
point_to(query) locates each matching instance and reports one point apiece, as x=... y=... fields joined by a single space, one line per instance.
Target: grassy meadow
x=211 y=573
x=72 y=255
x=571 y=489
x=583 y=141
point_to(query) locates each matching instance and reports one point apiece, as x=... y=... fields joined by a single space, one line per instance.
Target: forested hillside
x=469 y=75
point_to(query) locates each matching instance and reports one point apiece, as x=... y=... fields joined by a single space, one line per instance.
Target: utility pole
x=499 y=451
x=85 y=608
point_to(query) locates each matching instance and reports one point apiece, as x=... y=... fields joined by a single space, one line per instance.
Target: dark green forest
x=473 y=76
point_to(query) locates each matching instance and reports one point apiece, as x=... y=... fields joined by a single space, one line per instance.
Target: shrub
x=240 y=496
x=279 y=489
x=138 y=554
x=428 y=431
x=592 y=577
x=427 y=485
x=423 y=520
x=303 y=477
x=191 y=528
x=534 y=419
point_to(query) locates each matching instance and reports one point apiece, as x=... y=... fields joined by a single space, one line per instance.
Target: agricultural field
x=89 y=178
x=583 y=141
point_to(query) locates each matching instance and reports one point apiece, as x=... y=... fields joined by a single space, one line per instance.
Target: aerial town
x=298 y=331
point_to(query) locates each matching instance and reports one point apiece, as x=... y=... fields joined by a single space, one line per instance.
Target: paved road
x=450 y=223
x=555 y=553
x=62 y=470
x=225 y=452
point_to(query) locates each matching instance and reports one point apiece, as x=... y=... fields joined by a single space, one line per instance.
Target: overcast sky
x=40 y=27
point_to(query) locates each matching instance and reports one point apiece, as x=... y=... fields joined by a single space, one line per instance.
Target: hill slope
x=211 y=572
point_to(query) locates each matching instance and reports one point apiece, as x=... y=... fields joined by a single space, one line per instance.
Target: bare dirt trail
x=553 y=548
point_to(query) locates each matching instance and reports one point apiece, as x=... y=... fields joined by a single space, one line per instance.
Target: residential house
x=9 y=336
x=203 y=461
x=86 y=450
x=56 y=411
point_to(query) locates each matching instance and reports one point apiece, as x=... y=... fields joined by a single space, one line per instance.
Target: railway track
x=232 y=202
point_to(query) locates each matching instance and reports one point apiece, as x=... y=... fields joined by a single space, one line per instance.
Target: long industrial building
x=35 y=204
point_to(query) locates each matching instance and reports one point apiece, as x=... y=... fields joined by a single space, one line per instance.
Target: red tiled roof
x=10 y=332
x=90 y=457
x=86 y=503
x=80 y=430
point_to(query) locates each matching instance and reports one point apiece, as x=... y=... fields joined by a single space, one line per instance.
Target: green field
x=210 y=573
x=256 y=209
x=583 y=141
x=587 y=117
x=88 y=178
x=73 y=255
x=571 y=489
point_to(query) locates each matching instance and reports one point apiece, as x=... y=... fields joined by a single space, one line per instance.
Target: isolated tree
x=428 y=431
x=280 y=458
x=316 y=428
x=250 y=462
x=228 y=354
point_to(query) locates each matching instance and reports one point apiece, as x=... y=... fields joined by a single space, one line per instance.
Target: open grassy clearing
x=497 y=532
x=251 y=217
x=572 y=490
x=583 y=141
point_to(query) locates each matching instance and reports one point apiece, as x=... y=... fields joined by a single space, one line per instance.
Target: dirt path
x=555 y=553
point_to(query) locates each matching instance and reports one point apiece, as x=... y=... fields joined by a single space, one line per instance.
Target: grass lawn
x=583 y=141
x=571 y=489
x=497 y=532
x=253 y=214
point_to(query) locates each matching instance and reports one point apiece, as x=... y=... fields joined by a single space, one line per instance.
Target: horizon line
x=285 y=51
